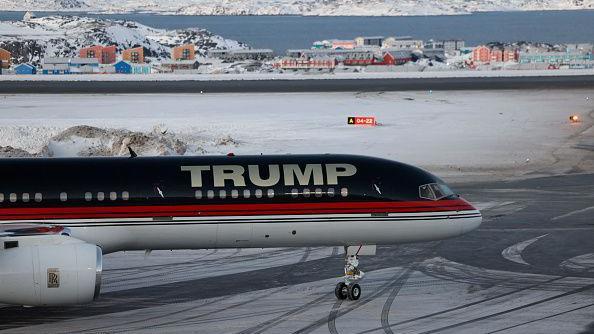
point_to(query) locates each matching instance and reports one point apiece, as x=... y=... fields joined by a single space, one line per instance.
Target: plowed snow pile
x=87 y=141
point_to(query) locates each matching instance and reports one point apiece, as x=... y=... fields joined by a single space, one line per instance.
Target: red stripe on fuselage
x=143 y=211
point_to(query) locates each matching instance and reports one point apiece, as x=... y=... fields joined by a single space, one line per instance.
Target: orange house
x=134 y=55
x=481 y=54
x=496 y=56
x=5 y=58
x=183 y=52
x=105 y=54
x=510 y=55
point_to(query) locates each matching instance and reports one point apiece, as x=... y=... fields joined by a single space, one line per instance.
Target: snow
x=452 y=133
x=295 y=7
x=64 y=35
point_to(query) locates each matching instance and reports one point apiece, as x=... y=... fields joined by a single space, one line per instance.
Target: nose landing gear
x=349 y=287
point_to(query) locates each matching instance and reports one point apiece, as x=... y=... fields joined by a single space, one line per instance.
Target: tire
x=354 y=292
x=341 y=291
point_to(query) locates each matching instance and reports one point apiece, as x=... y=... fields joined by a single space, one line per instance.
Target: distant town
x=360 y=54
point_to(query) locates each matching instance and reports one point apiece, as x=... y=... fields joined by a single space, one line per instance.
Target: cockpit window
x=434 y=191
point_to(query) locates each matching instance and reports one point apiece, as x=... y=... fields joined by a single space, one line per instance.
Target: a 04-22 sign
x=361 y=120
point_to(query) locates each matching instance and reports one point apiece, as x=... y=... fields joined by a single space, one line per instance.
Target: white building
x=402 y=43
x=28 y=16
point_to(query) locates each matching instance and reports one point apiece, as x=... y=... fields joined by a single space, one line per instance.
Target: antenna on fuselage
x=132 y=153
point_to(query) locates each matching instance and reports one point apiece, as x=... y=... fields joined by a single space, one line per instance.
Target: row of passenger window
x=25 y=197
x=38 y=197
x=259 y=193
x=102 y=196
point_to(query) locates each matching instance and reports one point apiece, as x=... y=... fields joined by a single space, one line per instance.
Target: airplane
x=58 y=216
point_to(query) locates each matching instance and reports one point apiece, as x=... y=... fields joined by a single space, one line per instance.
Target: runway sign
x=356 y=120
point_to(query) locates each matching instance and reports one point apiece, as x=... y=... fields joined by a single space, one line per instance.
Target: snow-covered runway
x=452 y=133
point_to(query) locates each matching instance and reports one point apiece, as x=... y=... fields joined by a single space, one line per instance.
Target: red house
x=105 y=54
x=395 y=58
x=481 y=54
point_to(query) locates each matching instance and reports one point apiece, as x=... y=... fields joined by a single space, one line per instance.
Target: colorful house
x=126 y=67
x=105 y=54
x=183 y=52
x=496 y=56
x=134 y=55
x=510 y=54
x=25 y=69
x=558 y=58
x=53 y=65
x=4 y=58
x=339 y=44
x=321 y=63
x=481 y=54
x=394 y=57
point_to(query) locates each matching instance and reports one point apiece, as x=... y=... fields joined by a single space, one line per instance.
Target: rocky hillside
x=64 y=35
x=296 y=7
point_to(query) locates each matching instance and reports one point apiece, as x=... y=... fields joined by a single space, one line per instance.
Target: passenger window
x=318 y=192
x=13 y=197
x=88 y=196
x=100 y=196
x=198 y=194
x=331 y=192
x=306 y=192
x=38 y=197
x=210 y=194
x=25 y=197
x=270 y=193
x=246 y=193
x=294 y=192
x=1 y=197
x=125 y=195
x=63 y=197
x=113 y=195
x=222 y=194
x=234 y=193
x=258 y=193
x=344 y=192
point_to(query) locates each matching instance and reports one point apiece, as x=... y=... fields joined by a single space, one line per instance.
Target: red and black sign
x=357 y=120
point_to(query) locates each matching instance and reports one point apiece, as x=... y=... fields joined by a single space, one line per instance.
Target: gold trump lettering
x=292 y=174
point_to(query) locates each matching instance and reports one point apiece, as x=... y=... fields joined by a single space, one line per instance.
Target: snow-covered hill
x=64 y=35
x=296 y=7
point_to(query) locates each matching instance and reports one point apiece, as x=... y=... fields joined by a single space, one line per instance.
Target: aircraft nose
x=473 y=222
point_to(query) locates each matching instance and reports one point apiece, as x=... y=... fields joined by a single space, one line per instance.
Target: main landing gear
x=349 y=287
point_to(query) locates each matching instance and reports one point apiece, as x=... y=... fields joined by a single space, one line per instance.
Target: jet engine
x=46 y=270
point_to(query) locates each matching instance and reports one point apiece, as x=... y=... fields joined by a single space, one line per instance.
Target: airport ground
x=528 y=269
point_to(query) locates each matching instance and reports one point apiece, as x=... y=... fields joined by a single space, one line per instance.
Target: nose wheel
x=349 y=287
x=343 y=291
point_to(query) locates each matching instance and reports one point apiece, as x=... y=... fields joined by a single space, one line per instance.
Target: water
x=287 y=32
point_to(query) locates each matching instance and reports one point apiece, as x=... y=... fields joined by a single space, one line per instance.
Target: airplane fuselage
x=232 y=201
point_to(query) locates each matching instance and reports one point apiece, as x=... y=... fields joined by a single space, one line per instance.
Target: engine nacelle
x=49 y=270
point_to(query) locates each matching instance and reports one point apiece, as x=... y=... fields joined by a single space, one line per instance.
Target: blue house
x=123 y=66
x=25 y=69
x=126 y=67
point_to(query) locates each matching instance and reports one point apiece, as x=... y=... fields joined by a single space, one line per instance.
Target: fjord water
x=285 y=32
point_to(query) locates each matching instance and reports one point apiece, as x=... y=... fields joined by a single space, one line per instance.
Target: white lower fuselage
x=115 y=234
